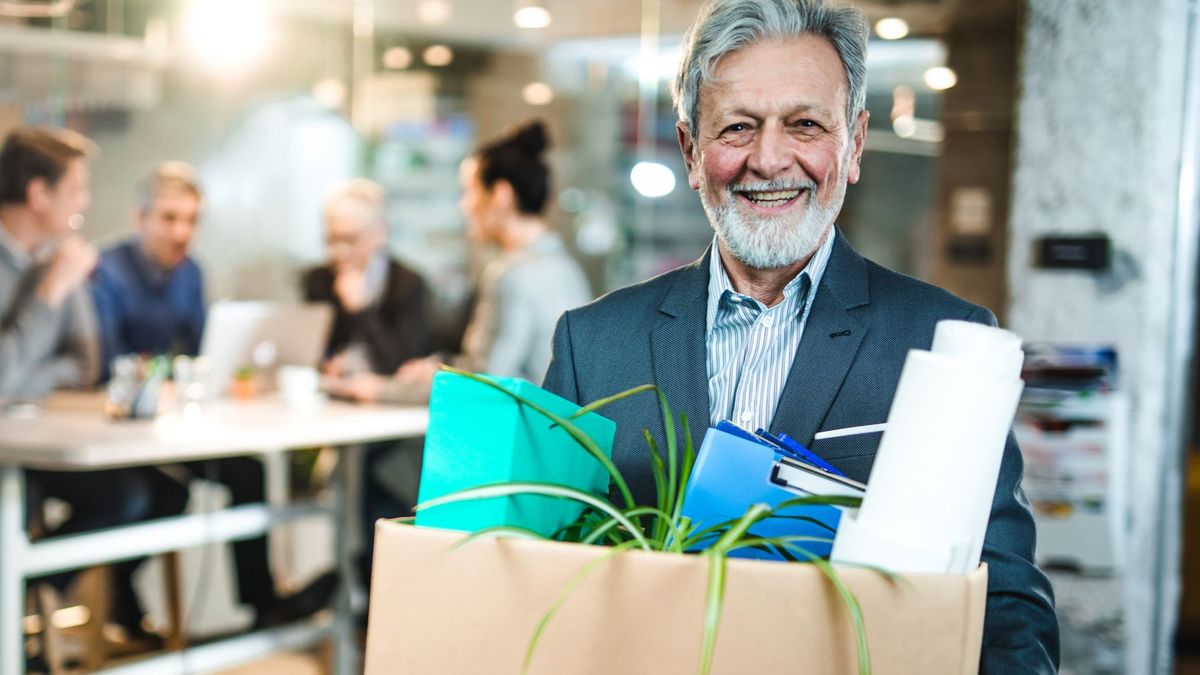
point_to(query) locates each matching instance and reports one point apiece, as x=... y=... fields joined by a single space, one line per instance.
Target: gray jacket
x=863 y=321
x=42 y=348
x=521 y=297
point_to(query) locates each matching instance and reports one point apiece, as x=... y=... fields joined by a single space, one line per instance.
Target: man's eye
x=737 y=128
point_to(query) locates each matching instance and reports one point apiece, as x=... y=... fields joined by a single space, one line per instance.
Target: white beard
x=772 y=242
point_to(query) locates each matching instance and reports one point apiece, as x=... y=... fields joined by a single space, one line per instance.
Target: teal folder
x=479 y=436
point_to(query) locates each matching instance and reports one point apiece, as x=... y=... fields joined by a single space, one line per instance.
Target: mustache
x=773 y=186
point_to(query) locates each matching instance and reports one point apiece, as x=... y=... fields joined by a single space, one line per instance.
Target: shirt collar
x=155 y=275
x=377 y=274
x=719 y=283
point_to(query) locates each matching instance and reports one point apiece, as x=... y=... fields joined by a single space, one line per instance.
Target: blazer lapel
x=677 y=348
x=827 y=350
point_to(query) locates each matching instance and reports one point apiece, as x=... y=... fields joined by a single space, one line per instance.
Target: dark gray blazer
x=863 y=321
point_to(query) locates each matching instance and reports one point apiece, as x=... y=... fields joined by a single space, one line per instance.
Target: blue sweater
x=144 y=309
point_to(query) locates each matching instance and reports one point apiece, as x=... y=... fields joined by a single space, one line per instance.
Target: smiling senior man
x=781 y=324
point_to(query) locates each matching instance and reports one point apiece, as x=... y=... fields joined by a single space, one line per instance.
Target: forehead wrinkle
x=812 y=63
x=782 y=109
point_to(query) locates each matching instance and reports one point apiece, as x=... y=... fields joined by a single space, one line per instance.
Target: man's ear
x=859 y=141
x=37 y=194
x=137 y=218
x=687 y=145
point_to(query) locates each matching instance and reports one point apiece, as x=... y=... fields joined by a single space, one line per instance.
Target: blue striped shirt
x=751 y=346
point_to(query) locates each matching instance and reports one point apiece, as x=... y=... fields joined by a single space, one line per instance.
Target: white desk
x=69 y=433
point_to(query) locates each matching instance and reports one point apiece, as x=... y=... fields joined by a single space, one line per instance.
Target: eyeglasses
x=343 y=239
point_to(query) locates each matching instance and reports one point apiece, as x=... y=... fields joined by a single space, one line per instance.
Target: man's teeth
x=778 y=196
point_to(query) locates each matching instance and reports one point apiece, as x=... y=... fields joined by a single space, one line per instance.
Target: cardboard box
x=472 y=610
x=478 y=436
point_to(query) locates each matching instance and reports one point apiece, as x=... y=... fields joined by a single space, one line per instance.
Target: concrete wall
x=1098 y=149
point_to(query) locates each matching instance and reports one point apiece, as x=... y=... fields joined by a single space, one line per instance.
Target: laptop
x=262 y=336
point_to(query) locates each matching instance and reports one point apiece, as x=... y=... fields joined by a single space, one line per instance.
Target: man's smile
x=770 y=200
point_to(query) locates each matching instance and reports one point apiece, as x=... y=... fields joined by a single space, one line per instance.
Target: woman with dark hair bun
x=521 y=295
x=506 y=184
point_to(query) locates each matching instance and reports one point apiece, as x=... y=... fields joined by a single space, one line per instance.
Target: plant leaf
x=715 y=598
x=851 y=602
x=600 y=403
x=660 y=481
x=820 y=500
x=574 y=583
x=505 y=531
x=673 y=481
x=632 y=514
x=689 y=461
x=549 y=489
x=575 y=432
x=714 y=605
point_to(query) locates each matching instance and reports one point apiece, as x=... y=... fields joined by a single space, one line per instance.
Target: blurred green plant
x=661 y=527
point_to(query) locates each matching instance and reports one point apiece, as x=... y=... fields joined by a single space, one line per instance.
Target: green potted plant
x=627 y=526
x=245 y=383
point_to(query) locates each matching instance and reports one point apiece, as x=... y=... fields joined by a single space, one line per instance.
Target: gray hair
x=168 y=175
x=724 y=26
x=364 y=198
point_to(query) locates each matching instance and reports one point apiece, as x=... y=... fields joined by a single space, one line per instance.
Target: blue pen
x=793 y=449
x=743 y=433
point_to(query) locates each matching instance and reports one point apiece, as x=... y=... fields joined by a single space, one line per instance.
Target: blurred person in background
x=48 y=334
x=149 y=298
x=521 y=294
x=382 y=318
x=506 y=185
x=149 y=293
x=382 y=312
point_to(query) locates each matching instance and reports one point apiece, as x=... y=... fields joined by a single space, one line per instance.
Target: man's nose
x=769 y=154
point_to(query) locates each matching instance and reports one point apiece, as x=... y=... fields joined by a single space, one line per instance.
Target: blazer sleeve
x=560 y=376
x=1020 y=628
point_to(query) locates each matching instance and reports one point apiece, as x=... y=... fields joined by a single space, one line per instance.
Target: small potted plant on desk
x=245 y=384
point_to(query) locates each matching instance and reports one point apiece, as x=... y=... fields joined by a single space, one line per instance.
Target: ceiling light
x=891 y=28
x=531 y=14
x=228 y=35
x=940 y=78
x=438 y=55
x=397 y=58
x=652 y=179
x=537 y=93
x=433 y=12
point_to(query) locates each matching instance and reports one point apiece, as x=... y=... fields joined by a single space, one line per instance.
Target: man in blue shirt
x=149 y=294
x=149 y=298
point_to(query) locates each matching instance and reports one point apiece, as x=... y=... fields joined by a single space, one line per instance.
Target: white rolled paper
x=935 y=472
x=988 y=348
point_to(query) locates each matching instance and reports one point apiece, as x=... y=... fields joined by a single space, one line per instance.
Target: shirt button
x=768 y=321
x=746 y=416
